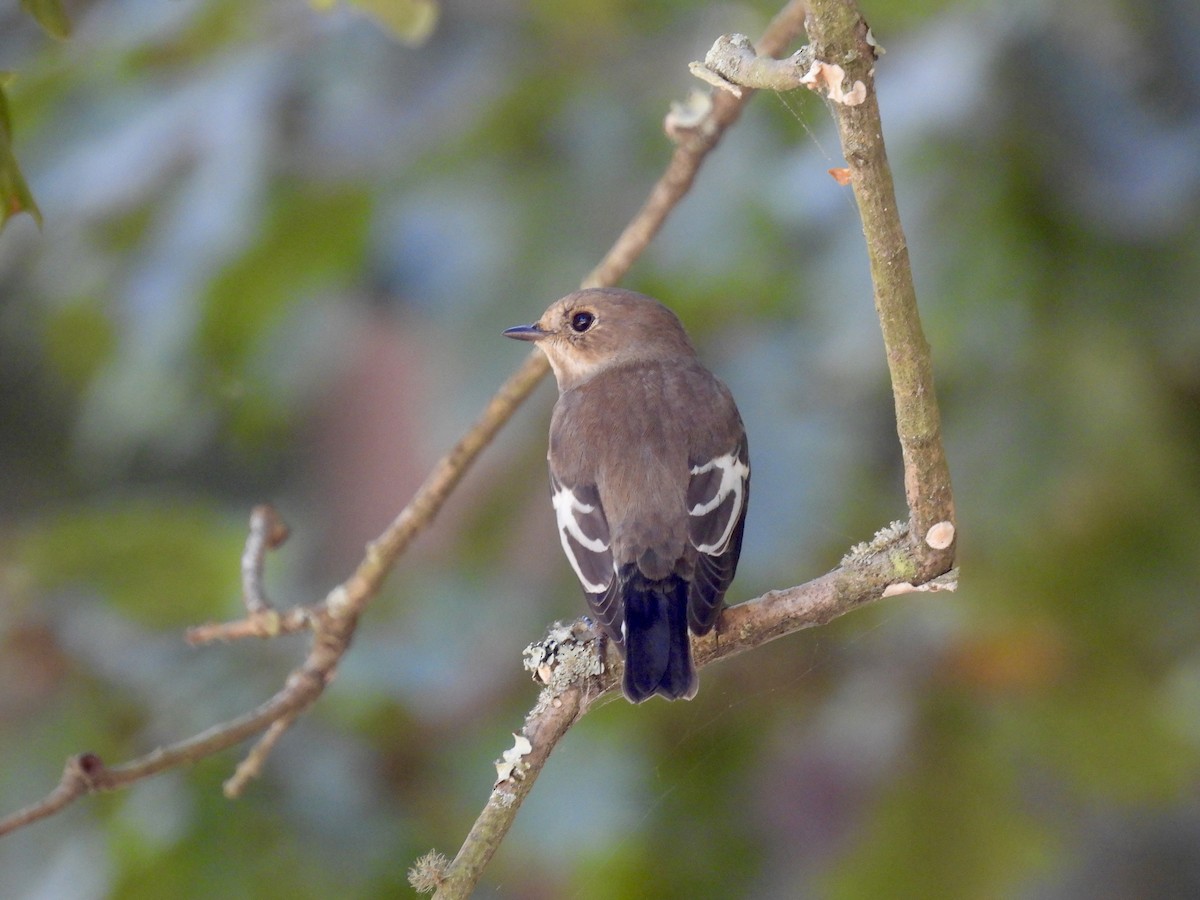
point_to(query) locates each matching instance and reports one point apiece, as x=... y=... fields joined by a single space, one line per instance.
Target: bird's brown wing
x=583 y=530
x=717 y=494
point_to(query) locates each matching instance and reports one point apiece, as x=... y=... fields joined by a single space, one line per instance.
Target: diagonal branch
x=334 y=619
x=694 y=145
x=332 y=622
x=86 y=773
x=551 y=718
x=566 y=662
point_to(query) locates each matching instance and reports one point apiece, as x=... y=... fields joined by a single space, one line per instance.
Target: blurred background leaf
x=409 y=21
x=162 y=564
x=14 y=192
x=50 y=15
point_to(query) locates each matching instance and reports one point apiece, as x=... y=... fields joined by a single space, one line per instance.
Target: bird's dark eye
x=582 y=321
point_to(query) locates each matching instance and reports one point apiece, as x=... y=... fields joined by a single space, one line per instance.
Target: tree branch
x=566 y=661
x=840 y=36
x=900 y=559
x=893 y=563
x=551 y=718
x=267 y=532
x=694 y=144
x=840 y=63
x=334 y=620
x=86 y=773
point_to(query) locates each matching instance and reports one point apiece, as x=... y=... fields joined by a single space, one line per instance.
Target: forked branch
x=333 y=620
x=918 y=555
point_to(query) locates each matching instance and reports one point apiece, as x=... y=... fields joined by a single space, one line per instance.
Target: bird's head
x=589 y=331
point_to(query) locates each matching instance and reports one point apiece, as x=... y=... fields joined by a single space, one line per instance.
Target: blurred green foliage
x=14 y=192
x=50 y=15
x=312 y=241
x=410 y=21
x=78 y=341
x=279 y=248
x=164 y=563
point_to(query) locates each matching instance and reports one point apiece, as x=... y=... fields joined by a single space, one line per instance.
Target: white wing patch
x=572 y=514
x=565 y=508
x=734 y=473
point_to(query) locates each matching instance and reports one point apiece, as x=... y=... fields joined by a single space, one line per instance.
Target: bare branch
x=840 y=64
x=251 y=766
x=901 y=558
x=863 y=577
x=840 y=36
x=549 y=721
x=733 y=63
x=694 y=145
x=544 y=727
x=334 y=619
x=267 y=624
x=78 y=778
x=267 y=532
x=86 y=773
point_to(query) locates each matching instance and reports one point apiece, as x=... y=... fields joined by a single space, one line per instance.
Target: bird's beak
x=525 y=332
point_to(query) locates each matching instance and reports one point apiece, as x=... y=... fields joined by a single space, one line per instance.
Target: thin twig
x=86 y=773
x=693 y=147
x=251 y=767
x=266 y=624
x=267 y=532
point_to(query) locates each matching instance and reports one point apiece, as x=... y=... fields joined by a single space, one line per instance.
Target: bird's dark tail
x=658 y=654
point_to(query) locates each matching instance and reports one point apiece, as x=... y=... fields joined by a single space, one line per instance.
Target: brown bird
x=649 y=474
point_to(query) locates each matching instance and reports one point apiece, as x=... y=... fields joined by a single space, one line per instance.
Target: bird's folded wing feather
x=583 y=530
x=716 y=498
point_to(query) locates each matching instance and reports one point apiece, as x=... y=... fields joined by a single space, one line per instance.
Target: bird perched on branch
x=649 y=473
